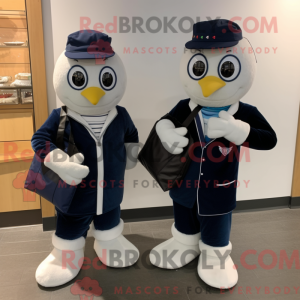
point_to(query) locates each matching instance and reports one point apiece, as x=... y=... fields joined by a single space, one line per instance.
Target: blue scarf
x=207 y=113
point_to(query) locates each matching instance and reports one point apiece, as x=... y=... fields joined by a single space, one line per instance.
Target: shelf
x=15 y=151
x=21 y=20
x=16 y=106
x=12 y=13
x=15 y=87
x=1 y=46
x=17 y=158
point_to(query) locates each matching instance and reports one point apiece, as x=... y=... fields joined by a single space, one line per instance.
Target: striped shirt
x=96 y=123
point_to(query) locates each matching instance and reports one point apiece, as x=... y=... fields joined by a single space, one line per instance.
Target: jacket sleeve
x=261 y=135
x=131 y=133
x=43 y=141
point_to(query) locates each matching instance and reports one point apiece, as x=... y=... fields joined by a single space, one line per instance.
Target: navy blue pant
x=74 y=227
x=215 y=230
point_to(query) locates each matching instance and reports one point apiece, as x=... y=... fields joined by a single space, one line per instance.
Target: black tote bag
x=164 y=167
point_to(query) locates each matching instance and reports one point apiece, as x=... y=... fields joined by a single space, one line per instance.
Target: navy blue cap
x=218 y=33
x=89 y=44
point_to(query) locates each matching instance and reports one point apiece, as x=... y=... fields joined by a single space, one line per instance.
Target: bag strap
x=61 y=128
x=191 y=116
x=72 y=149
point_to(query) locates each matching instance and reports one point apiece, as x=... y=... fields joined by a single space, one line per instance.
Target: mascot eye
x=77 y=78
x=197 y=67
x=107 y=78
x=229 y=68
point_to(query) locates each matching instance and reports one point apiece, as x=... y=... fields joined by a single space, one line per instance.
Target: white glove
x=69 y=169
x=227 y=126
x=132 y=151
x=172 y=138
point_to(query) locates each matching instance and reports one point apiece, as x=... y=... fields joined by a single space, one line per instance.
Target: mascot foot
x=113 y=249
x=215 y=266
x=62 y=264
x=176 y=252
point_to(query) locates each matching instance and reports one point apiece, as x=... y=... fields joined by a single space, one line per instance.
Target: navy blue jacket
x=112 y=159
x=216 y=189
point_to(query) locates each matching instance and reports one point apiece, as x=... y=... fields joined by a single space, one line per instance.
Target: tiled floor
x=23 y=248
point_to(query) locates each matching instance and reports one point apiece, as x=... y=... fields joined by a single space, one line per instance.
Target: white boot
x=176 y=252
x=59 y=267
x=212 y=269
x=113 y=249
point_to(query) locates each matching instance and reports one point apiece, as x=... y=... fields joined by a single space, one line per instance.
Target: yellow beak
x=210 y=84
x=93 y=94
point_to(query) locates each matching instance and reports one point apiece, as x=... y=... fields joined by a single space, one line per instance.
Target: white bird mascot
x=217 y=69
x=90 y=79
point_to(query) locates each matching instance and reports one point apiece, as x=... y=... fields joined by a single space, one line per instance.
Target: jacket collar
x=77 y=117
x=232 y=109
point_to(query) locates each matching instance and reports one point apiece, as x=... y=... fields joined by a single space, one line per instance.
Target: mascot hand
x=228 y=127
x=172 y=138
x=69 y=169
x=132 y=151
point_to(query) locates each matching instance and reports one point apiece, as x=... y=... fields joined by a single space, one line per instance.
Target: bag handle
x=191 y=116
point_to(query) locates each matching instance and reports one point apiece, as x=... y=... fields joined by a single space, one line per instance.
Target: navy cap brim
x=209 y=45
x=86 y=55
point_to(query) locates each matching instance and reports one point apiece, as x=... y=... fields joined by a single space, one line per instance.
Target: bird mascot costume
x=90 y=79
x=217 y=69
